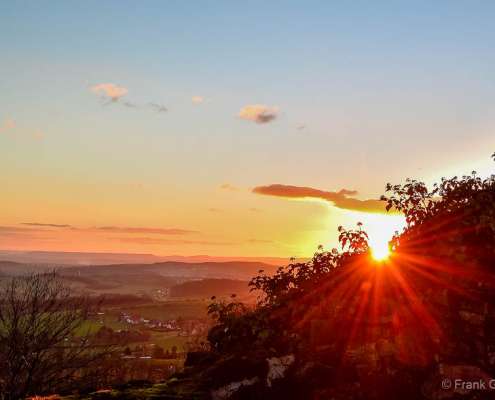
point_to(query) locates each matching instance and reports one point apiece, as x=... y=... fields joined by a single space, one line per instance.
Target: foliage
x=239 y=326
x=455 y=210
x=38 y=350
x=234 y=326
x=458 y=212
x=298 y=278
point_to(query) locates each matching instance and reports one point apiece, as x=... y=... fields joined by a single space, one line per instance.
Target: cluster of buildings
x=170 y=325
x=189 y=327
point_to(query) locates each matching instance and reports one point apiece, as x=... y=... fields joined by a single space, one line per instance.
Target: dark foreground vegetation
x=343 y=326
x=38 y=349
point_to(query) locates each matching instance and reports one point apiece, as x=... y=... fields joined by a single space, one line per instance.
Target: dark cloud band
x=339 y=199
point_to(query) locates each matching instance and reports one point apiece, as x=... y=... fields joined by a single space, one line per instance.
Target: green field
x=185 y=309
x=168 y=339
x=91 y=326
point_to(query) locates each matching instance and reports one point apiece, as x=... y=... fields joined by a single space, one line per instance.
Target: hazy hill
x=88 y=258
x=231 y=270
x=15 y=268
x=147 y=278
x=210 y=287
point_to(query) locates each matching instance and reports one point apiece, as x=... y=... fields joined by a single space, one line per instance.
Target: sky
x=233 y=128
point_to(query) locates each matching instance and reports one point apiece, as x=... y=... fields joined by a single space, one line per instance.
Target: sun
x=380 y=229
x=380 y=251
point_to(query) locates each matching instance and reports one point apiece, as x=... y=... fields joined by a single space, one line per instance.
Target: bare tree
x=39 y=348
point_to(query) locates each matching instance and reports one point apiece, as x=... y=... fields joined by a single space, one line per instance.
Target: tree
x=158 y=352
x=368 y=330
x=449 y=228
x=239 y=327
x=454 y=211
x=174 y=352
x=39 y=351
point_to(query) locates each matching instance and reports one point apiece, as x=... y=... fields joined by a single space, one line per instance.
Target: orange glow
x=380 y=229
x=380 y=251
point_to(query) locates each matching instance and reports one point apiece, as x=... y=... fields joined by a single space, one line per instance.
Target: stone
x=277 y=367
x=225 y=392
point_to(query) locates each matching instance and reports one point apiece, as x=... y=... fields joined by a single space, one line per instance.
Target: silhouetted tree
x=39 y=316
x=456 y=218
x=362 y=329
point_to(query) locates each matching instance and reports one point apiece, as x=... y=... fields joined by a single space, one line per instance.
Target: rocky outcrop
x=227 y=391
x=277 y=368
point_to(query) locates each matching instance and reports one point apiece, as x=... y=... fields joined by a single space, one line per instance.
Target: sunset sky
x=232 y=128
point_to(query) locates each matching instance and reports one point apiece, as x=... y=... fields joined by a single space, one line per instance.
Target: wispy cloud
x=159 y=108
x=114 y=94
x=228 y=186
x=156 y=231
x=14 y=229
x=39 y=224
x=258 y=113
x=18 y=234
x=109 y=91
x=339 y=199
x=158 y=241
x=197 y=99
x=259 y=241
x=129 y=104
x=25 y=236
x=108 y=229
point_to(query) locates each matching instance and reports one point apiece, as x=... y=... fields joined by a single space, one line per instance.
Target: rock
x=472 y=318
x=277 y=367
x=226 y=392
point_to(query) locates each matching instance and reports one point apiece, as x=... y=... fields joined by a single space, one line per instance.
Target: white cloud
x=109 y=90
x=258 y=113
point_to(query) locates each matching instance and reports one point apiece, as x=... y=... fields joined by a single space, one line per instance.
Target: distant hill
x=240 y=270
x=16 y=268
x=230 y=269
x=89 y=258
x=222 y=277
x=205 y=288
x=243 y=270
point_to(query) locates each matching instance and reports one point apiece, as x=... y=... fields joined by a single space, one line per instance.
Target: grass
x=92 y=326
x=166 y=310
x=168 y=339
